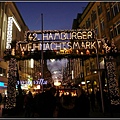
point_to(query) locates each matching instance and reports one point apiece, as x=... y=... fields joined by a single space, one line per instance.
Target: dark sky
x=56 y=15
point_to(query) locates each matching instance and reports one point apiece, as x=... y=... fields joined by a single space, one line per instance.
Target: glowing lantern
x=81 y=53
x=87 y=52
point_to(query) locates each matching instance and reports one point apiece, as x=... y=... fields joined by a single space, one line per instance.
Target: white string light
x=111 y=73
x=11 y=87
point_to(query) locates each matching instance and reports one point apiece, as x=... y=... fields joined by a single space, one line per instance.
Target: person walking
x=92 y=101
x=0 y=100
x=66 y=109
x=82 y=104
x=4 y=100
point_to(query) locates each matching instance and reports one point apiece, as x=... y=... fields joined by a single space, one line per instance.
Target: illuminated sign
x=62 y=35
x=57 y=46
x=35 y=82
x=71 y=39
x=9 y=33
x=11 y=20
x=1 y=84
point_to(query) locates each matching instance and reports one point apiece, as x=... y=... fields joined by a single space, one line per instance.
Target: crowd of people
x=49 y=105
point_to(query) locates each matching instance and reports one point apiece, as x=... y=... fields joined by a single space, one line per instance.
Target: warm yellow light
x=95 y=82
x=57 y=83
x=37 y=87
x=83 y=83
x=32 y=63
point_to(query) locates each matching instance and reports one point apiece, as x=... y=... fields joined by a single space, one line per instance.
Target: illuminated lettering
x=63 y=36
x=45 y=36
x=76 y=45
x=74 y=35
x=47 y=46
x=69 y=46
x=57 y=36
x=51 y=48
x=87 y=45
x=79 y=35
x=23 y=48
x=93 y=45
x=84 y=34
x=58 y=46
x=90 y=35
x=9 y=31
x=50 y=36
x=30 y=46
x=36 y=46
x=83 y=45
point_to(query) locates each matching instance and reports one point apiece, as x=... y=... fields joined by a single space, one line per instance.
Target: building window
x=102 y=25
x=99 y=9
x=93 y=16
x=96 y=30
x=92 y=66
x=108 y=15
x=115 y=9
x=87 y=69
x=3 y=72
x=117 y=28
x=111 y=32
x=88 y=23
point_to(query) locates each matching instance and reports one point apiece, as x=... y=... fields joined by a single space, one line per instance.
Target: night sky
x=56 y=15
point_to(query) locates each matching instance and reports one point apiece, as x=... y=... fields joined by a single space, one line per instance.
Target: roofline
x=19 y=14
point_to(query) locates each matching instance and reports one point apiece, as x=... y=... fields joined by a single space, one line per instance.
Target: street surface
x=95 y=114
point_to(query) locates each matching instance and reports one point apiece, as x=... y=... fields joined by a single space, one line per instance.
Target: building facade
x=13 y=27
x=104 y=18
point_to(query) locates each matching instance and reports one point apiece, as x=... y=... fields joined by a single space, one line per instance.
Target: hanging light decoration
x=111 y=72
x=87 y=52
x=81 y=53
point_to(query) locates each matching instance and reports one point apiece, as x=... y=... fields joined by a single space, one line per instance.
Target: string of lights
x=11 y=87
x=111 y=49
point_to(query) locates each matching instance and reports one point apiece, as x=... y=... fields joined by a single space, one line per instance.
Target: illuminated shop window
x=3 y=72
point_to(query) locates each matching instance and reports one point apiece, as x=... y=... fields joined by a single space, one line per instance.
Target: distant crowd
x=47 y=105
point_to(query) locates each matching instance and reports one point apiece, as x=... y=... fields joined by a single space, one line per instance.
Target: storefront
x=3 y=89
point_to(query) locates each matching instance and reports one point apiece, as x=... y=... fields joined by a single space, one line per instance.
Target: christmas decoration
x=48 y=54
x=110 y=50
x=11 y=87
